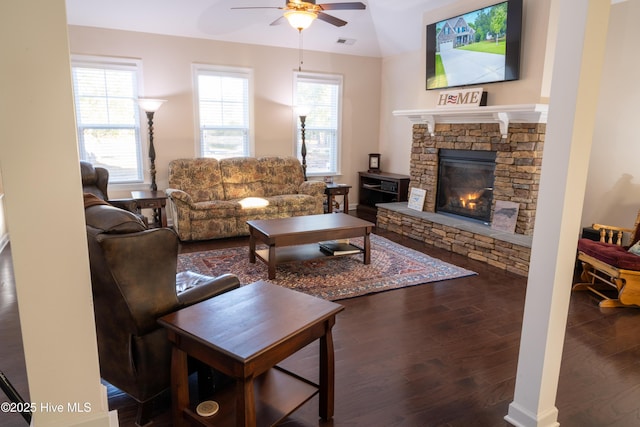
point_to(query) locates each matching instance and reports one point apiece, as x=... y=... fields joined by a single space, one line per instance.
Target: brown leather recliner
x=134 y=282
x=95 y=180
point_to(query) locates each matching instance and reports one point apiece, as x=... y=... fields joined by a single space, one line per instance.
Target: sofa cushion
x=214 y=209
x=612 y=254
x=294 y=203
x=200 y=178
x=241 y=178
x=281 y=175
x=256 y=210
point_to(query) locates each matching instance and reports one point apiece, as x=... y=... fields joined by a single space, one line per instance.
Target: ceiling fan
x=300 y=14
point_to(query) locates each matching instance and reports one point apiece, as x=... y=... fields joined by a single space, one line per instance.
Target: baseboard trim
x=520 y=417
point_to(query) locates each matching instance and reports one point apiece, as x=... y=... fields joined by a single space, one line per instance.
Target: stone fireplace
x=509 y=139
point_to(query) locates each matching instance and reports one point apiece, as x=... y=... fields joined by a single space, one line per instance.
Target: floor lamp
x=302 y=114
x=150 y=106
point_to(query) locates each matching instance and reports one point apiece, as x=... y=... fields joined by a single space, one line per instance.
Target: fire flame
x=469 y=201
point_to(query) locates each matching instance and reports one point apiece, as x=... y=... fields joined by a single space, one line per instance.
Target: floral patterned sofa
x=211 y=199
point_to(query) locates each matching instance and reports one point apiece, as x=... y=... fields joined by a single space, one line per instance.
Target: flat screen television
x=481 y=46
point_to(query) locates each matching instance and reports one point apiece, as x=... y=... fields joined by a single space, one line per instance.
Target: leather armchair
x=95 y=180
x=134 y=282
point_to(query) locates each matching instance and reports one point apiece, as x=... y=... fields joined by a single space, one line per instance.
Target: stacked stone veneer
x=517 y=178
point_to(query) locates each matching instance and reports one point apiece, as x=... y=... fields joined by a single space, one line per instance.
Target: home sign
x=462 y=98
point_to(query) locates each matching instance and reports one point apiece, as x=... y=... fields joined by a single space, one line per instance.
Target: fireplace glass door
x=465 y=183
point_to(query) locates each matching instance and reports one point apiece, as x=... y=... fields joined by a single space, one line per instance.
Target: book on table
x=339 y=247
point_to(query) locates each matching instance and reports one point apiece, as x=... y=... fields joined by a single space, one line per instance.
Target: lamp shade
x=150 y=105
x=300 y=19
x=302 y=110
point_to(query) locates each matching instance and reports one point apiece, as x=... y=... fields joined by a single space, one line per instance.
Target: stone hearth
x=516 y=134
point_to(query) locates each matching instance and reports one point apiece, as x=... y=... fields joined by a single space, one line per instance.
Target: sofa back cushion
x=241 y=177
x=200 y=178
x=282 y=175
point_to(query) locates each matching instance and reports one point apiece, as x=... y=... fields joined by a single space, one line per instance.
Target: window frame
x=117 y=63
x=221 y=70
x=338 y=80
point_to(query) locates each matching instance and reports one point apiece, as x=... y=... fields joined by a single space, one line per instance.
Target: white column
x=579 y=53
x=43 y=202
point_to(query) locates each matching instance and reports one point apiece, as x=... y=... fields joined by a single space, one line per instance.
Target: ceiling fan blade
x=331 y=19
x=343 y=6
x=278 y=21
x=258 y=7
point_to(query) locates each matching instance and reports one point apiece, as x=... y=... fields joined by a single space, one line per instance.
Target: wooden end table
x=244 y=333
x=156 y=200
x=333 y=190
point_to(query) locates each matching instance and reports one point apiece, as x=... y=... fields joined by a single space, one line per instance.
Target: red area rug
x=392 y=266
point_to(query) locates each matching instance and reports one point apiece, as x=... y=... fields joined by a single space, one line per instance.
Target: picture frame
x=505 y=216
x=417 y=197
x=374 y=162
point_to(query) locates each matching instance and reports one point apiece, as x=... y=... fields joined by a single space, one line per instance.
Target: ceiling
x=385 y=28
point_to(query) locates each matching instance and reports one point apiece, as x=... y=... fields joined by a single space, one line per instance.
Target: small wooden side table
x=156 y=200
x=334 y=190
x=245 y=333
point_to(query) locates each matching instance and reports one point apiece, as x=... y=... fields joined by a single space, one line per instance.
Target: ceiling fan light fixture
x=300 y=19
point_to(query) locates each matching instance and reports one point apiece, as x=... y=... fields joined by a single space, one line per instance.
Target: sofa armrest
x=199 y=287
x=175 y=194
x=313 y=188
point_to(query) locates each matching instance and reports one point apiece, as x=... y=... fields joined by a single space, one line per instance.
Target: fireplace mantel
x=501 y=114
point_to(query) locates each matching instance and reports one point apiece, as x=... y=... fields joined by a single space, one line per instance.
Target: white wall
x=613 y=184
x=167 y=62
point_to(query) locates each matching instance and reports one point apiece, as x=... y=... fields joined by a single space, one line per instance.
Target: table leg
x=327 y=373
x=367 y=248
x=330 y=199
x=163 y=216
x=272 y=262
x=179 y=386
x=157 y=222
x=245 y=403
x=252 y=247
x=346 y=202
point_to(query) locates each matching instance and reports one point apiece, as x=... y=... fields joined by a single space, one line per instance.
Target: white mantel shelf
x=501 y=114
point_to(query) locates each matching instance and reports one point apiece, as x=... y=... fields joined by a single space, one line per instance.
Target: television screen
x=482 y=46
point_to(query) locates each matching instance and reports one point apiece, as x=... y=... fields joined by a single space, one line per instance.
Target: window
x=321 y=96
x=223 y=111
x=107 y=115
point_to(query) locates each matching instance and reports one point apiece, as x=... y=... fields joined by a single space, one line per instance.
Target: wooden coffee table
x=244 y=333
x=296 y=238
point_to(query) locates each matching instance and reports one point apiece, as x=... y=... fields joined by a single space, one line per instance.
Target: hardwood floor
x=441 y=354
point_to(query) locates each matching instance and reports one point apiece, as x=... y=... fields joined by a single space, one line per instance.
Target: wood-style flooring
x=441 y=354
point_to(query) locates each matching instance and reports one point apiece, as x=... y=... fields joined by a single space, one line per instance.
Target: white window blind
x=107 y=116
x=321 y=96
x=223 y=110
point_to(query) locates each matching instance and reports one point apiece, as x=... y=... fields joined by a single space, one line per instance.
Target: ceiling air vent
x=346 y=41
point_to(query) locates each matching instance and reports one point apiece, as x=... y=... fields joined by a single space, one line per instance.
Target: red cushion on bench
x=614 y=255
